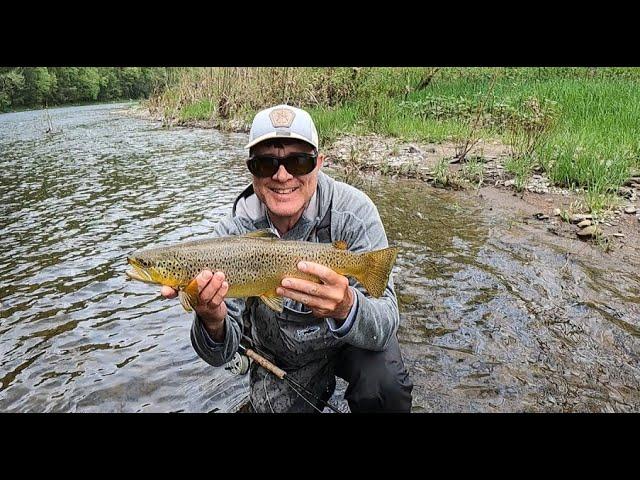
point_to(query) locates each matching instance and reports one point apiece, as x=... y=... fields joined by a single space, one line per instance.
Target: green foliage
x=521 y=167
x=38 y=84
x=201 y=110
x=11 y=83
x=473 y=171
x=22 y=87
x=441 y=174
x=579 y=125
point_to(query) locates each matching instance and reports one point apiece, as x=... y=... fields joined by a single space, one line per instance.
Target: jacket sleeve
x=376 y=319
x=219 y=353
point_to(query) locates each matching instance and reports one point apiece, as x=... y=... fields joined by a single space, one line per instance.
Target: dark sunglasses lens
x=263 y=166
x=296 y=164
x=299 y=164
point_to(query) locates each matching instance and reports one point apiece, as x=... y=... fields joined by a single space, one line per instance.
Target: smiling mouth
x=283 y=191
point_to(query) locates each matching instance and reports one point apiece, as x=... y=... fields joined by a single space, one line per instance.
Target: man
x=328 y=329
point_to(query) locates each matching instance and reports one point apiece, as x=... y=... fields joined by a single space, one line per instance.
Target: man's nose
x=282 y=175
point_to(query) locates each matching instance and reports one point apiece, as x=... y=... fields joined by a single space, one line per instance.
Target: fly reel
x=238 y=365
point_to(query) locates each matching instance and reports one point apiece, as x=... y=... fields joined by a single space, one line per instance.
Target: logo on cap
x=282 y=117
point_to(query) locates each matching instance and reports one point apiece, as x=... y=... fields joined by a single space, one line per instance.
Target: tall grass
x=578 y=124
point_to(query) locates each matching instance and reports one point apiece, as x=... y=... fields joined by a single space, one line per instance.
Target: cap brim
x=269 y=135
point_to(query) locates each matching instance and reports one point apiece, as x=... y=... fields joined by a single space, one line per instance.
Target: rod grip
x=264 y=363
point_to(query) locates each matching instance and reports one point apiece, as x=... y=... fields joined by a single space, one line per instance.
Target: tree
x=35 y=86
x=38 y=85
x=88 y=83
x=110 y=87
x=11 y=81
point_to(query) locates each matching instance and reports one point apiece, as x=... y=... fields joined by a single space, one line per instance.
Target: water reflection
x=74 y=335
x=494 y=315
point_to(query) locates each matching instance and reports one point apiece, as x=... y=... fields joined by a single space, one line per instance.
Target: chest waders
x=241 y=361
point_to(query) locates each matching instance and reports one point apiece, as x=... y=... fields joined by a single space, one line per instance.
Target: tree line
x=24 y=87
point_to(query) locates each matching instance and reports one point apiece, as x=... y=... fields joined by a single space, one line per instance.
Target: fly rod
x=282 y=375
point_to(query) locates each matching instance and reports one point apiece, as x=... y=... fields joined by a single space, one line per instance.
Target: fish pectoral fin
x=273 y=302
x=264 y=233
x=184 y=300
x=189 y=296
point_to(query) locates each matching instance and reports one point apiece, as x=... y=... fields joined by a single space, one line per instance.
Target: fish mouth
x=138 y=272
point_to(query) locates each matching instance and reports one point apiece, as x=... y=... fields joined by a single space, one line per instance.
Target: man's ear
x=320 y=161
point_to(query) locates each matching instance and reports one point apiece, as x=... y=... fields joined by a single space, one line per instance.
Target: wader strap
x=247 y=192
x=323 y=230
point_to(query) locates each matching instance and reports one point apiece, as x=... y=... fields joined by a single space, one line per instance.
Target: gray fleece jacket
x=296 y=341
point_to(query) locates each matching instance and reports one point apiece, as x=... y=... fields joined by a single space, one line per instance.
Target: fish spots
x=254 y=264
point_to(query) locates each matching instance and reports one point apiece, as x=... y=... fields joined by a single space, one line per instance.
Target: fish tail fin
x=189 y=297
x=376 y=268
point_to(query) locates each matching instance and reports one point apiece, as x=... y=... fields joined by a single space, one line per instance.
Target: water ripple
x=494 y=316
x=75 y=335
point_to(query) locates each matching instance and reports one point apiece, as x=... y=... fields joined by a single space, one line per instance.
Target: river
x=495 y=317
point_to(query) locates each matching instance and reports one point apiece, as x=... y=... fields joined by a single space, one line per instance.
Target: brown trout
x=254 y=265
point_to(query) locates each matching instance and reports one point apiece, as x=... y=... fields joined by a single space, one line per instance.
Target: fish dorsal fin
x=264 y=233
x=340 y=245
x=189 y=296
x=273 y=302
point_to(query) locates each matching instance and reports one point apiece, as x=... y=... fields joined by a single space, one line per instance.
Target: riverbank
x=575 y=125
x=561 y=211
x=127 y=103
x=30 y=88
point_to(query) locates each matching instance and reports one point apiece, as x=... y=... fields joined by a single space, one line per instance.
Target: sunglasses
x=295 y=163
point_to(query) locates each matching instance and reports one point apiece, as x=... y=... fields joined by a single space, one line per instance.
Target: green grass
x=592 y=141
x=579 y=124
x=200 y=110
x=521 y=168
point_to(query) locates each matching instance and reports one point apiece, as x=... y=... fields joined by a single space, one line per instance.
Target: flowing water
x=495 y=316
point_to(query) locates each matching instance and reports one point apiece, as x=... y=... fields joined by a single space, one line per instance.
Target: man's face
x=285 y=195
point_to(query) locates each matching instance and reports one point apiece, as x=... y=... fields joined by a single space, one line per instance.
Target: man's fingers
x=168 y=292
x=203 y=279
x=306 y=286
x=212 y=287
x=323 y=273
x=311 y=302
x=218 y=298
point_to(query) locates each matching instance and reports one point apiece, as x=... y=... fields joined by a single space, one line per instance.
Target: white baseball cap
x=283 y=121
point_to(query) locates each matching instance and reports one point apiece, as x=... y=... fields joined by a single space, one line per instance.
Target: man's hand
x=211 y=308
x=332 y=298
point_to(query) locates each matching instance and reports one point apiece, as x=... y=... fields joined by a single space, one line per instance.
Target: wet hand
x=211 y=308
x=168 y=292
x=332 y=298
